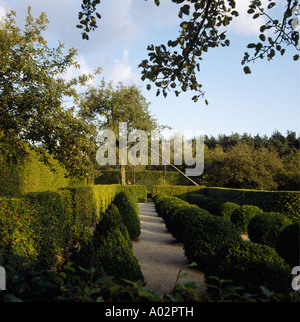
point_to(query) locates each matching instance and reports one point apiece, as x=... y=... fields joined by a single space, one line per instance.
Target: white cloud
x=73 y=72
x=244 y=24
x=121 y=71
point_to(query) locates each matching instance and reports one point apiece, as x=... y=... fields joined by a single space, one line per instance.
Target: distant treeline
x=259 y=162
x=250 y=162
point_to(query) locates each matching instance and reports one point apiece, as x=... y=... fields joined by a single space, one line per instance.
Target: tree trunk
x=123 y=175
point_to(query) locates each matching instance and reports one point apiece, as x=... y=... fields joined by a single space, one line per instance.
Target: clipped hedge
x=285 y=202
x=109 y=250
x=205 y=236
x=126 y=201
x=250 y=265
x=29 y=174
x=176 y=191
x=266 y=227
x=241 y=217
x=288 y=244
x=198 y=199
x=182 y=218
x=227 y=209
x=36 y=228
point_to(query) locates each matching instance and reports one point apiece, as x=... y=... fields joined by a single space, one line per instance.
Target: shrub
x=284 y=202
x=265 y=228
x=205 y=236
x=182 y=217
x=109 y=250
x=36 y=229
x=176 y=191
x=128 y=208
x=288 y=244
x=169 y=206
x=158 y=199
x=214 y=207
x=250 y=265
x=242 y=215
x=227 y=209
x=84 y=211
x=199 y=200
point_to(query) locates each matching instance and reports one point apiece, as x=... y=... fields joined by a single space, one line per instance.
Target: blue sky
x=260 y=103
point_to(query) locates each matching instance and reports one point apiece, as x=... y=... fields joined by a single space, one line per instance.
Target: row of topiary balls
x=214 y=242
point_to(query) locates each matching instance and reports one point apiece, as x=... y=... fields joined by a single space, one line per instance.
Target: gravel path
x=159 y=254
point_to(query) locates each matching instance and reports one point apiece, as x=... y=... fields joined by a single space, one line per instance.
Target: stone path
x=159 y=254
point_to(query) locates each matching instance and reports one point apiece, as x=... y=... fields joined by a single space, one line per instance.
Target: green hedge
x=126 y=201
x=288 y=244
x=205 y=236
x=109 y=251
x=285 y=202
x=182 y=218
x=266 y=227
x=36 y=228
x=176 y=191
x=250 y=265
x=145 y=178
x=241 y=217
x=29 y=174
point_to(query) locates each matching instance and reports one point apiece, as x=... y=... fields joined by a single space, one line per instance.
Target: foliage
x=67 y=285
x=109 y=250
x=265 y=228
x=32 y=92
x=251 y=265
x=128 y=208
x=259 y=162
x=107 y=106
x=227 y=208
x=36 y=228
x=28 y=174
x=169 y=206
x=205 y=236
x=242 y=216
x=176 y=191
x=198 y=199
x=284 y=202
x=182 y=217
x=288 y=244
x=174 y=66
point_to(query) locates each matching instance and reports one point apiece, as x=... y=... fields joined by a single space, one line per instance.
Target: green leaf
x=262 y=37
x=247 y=70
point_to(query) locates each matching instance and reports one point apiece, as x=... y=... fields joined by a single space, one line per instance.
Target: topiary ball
x=265 y=228
x=205 y=236
x=182 y=217
x=242 y=215
x=288 y=244
x=250 y=265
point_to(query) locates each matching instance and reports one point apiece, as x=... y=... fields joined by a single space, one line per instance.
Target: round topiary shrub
x=158 y=200
x=228 y=208
x=265 y=228
x=213 y=207
x=250 y=265
x=182 y=217
x=198 y=199
x=242 y=215
x=205 y=236
x=288 y=244
x=169 y=206
x=129 y=211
